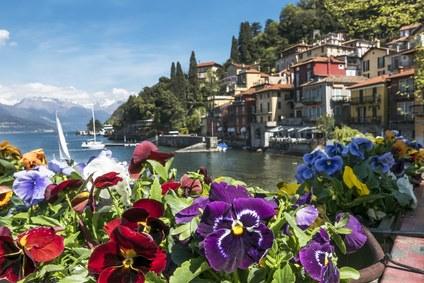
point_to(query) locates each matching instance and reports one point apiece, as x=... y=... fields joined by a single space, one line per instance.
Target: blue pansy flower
x=329 y=165
x=334 y=149
x=382 y=163
x=60 y=167
x=358 y=147
x=304 y=173
x=309 y=158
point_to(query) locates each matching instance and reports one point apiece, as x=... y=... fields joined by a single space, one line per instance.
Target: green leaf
x=83 y=252
x=300 y=235
x=152 y=277
x=159 y=169
x=189 y=270
x=256 y=275
x=284 y=275
x=337 y=239
x=44 y=220
x=343 y=231
x=176 y=203
x=49 y=268
x=365 y=199
x=71 y=238
x=347 y=272
x=156 y=190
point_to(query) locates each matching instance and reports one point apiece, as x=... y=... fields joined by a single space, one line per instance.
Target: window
x=374 y=94
x=260 y=107
x=269 y=118
x=366 y=65
x=380 y=73
x=262 y=119
x=279 y=104
x=380 y=62
x=268 y=107
x=374 y=112
x=361 y=96
x=279 y=94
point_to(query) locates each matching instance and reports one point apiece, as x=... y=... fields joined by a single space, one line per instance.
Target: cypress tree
x=172 y=75
x=234 y=56
x=245 y=43
x=180 y=83
x=192 y=79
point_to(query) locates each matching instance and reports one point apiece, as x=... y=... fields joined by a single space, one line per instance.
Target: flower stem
x=236 y=278
x=114 y=201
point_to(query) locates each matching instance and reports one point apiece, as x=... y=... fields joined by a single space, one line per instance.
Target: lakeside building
x=369 y=105
x=289 y=56
x=327 y=97
x=401 y=90
x=273 y=103
x=207 y=72
x=312 y=70
x=373 y=62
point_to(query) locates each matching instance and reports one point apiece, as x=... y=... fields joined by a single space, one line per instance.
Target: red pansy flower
x=170 y=185
x=191 y=186
x=107 y=180
x=53 y=190
x=126 y=257
x=146 y=151
x=17 y=259
x=142 y=217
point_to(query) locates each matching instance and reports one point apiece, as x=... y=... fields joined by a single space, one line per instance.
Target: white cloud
x=4 y=36
x=12 y=94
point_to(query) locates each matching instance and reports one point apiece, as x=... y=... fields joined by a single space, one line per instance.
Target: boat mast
x=94 y=123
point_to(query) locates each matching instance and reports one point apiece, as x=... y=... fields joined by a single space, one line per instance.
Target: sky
x=105 y=50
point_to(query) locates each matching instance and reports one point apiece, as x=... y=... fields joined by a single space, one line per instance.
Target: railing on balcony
x=365 y=120
x=366 y=100
x=418 y=109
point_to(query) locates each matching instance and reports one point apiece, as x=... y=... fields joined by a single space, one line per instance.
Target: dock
x=120 y=144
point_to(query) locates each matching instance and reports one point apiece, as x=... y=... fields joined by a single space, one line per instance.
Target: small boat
x=222 y=146
x=93 y=144
x=63 y=146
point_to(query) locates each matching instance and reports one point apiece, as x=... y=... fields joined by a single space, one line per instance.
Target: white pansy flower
x=406 y=187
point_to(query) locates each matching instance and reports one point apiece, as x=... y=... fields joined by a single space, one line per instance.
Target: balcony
x=366 y=120
x=409 y=117
x=365 y=100
x=418 y=109
x=308 y=101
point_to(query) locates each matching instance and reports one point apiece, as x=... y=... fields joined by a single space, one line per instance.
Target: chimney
x=377 y=43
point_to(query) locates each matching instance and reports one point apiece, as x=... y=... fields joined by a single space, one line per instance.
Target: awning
x=304 y=129
x=290 y=130
x=231 y=130
x=243 y=129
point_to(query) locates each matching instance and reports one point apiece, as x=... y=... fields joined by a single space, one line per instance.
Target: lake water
x=255 y=168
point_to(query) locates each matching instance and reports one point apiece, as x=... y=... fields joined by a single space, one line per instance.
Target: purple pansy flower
x=316 y=259
x=219 y=192
x=195 y=209
x=322 y=236
x=306 y=216
x=357 y=238
x=328 y=165
x=382 y=163
x=60 y=167
x=304 y=173
x=306 y=198
x=31 y=185
x=334 y=149
x=235 y=235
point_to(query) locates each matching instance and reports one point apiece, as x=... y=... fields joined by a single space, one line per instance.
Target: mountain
x=41 y=111
x=9 y=122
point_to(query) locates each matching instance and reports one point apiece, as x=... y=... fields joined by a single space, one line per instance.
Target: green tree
x=326 y=125
x=98 y=125
x=245 y=42
x=234 y=55
x=375 y=18
x=180 y=83
x=172 y=73
x=193 y=95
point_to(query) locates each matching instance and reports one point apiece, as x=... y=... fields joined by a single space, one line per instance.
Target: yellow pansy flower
x=34 y=158
x=9 y=150
x=288 y=188
x=5 y=196
x=379 y=140
x=351 y=180
x=400 y=148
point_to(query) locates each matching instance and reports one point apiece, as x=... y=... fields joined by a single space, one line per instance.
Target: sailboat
x=63 y=146
x=93 y=144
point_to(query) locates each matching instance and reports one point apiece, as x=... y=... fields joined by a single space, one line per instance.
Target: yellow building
x=374 y=62
x=369 y=105
x=273 y=103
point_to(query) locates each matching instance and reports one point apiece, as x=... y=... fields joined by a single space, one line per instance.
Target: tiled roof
x=207 y=64
x=384 y=78
x=264 y=88
x=399 y=39
x=411 y=26
x=338 y=79
x=387 y=50
x=320 y=59
x=371 y=81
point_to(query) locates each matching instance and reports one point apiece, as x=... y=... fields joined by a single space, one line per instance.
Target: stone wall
x=185 y=140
